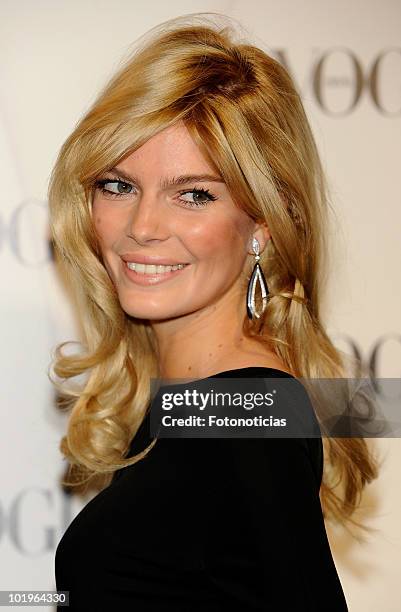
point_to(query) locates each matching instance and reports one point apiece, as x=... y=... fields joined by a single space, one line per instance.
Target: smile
x=144 y=274
x=153 y=269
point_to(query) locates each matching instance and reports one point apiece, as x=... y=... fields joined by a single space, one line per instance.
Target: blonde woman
x=194 y=174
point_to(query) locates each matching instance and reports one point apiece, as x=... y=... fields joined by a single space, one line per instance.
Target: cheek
x=218 y=237
x=106 y=225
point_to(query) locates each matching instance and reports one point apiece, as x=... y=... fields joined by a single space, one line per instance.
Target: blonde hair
x=242 y=109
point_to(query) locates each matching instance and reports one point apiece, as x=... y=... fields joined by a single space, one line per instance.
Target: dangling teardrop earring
x=257 y=275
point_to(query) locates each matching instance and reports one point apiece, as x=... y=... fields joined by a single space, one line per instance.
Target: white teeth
x=152 y=269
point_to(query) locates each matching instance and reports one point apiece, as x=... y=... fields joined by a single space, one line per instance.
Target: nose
x=147 y=221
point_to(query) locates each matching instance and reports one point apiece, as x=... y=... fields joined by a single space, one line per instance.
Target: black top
x=205 y=525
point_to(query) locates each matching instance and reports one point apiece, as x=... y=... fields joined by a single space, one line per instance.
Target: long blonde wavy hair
x=244 y=112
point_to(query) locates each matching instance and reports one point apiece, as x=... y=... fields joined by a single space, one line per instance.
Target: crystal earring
x=257 y=276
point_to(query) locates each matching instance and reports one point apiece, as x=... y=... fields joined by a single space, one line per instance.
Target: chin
x=149 y=314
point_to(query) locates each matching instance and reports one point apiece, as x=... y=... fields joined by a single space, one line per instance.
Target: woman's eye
x=114 y=187
x=117 y=188
x=195 y=193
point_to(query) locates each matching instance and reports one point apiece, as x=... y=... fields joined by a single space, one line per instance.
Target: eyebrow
x=183 y=179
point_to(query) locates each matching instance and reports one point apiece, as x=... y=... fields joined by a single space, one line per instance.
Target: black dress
x=205 y=525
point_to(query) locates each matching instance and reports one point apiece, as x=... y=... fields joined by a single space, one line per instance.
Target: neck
x=207 y=341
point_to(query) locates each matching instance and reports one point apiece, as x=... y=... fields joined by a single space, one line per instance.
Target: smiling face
x=139 y=217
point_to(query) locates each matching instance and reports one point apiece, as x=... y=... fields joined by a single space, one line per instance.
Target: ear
x=262 y=233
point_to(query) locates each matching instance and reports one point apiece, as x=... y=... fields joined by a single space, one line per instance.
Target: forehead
x=173 y=148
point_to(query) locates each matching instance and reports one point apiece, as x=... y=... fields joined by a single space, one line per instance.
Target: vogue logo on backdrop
x=338 y=78
x=27 y=234
x=372 y=363
x=26 y=520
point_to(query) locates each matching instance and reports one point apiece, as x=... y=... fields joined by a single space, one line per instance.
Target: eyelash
x=100 y=184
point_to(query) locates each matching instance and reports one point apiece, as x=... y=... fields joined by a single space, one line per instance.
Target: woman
x=193 y=178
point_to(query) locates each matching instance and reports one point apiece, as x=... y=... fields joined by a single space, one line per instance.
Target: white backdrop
x=55 y=56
